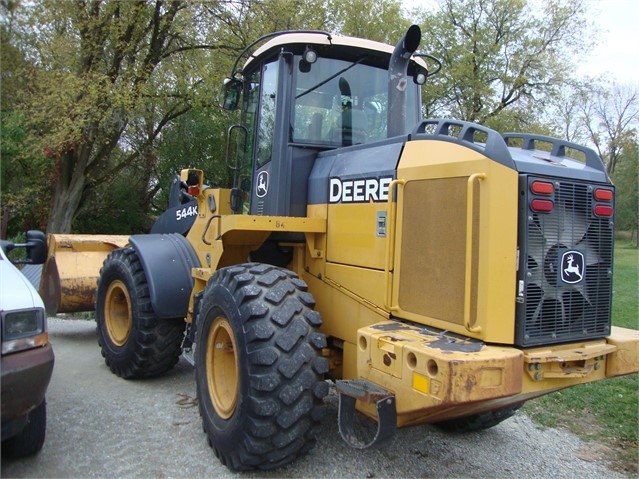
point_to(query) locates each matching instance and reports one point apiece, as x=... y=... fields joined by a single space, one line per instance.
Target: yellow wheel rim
x=221 y=367
x=117 y=313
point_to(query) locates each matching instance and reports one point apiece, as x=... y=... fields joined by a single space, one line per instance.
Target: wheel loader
x=432 y=270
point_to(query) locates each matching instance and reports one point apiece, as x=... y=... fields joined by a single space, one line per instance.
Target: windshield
x=340 y=103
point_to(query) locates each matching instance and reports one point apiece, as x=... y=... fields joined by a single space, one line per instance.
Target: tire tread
x=154 y=346
x=285 y=369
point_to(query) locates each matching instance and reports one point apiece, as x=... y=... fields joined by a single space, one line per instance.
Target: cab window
x=339 y=103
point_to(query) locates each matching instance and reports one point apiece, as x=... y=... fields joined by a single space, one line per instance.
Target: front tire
x=135 y=343
x=259 y=370
x=30 y=440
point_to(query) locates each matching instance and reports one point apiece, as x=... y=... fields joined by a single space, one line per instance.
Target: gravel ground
x=102 y=426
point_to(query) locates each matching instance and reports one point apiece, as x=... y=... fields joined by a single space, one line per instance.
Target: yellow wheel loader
x=436 y=270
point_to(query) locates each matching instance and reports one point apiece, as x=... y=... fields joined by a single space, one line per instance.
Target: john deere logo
x=262 y=184
x=572 y=267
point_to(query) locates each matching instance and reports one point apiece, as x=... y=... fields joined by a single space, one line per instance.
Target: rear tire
x=135 y=343
x=478 y=422
x=259 y=370
x=31 y=439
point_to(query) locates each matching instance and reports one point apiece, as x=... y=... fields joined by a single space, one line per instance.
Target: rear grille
x=565 y=266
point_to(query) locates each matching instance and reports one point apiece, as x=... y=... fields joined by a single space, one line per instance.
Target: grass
x=605 y=411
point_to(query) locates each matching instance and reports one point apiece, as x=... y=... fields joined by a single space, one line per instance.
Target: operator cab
x=306 y=92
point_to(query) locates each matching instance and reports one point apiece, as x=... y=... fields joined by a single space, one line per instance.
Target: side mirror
x=35 y=246
x=230 y=93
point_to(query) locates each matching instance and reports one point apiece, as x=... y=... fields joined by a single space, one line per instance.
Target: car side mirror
x=36 y=247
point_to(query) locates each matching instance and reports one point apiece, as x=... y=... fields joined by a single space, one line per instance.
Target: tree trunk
x=69 y=187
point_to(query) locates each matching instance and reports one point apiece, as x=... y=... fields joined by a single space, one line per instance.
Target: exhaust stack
x=397 y=80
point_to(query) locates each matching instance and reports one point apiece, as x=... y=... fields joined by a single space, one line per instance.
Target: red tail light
x=603 y=210
x=542 y=206
x=603 y=195
x=542 y=188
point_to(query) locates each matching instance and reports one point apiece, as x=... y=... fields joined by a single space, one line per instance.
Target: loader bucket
x=70 y=275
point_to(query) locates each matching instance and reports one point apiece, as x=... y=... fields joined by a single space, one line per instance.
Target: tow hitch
x=352 y=390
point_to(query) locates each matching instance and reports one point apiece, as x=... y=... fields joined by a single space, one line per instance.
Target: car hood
x=16 y=291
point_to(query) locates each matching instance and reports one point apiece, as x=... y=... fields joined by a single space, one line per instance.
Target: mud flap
x=352 y=390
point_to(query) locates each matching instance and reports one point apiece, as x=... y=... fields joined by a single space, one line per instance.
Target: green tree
x=22 y=178
x=195 y=140
x=98 y=83
x=97 y=66
x=23 y=202
x=610 y=117
x=118 y=205
x=500 y=53
x=244 y=21
x=564 y=111
x=379 y=20
x=626 y=179
x=606 y=118
x=102 y=78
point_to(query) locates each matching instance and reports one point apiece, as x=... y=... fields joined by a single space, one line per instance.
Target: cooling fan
x=566 y=269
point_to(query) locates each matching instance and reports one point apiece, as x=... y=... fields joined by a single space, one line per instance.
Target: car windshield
x=340 y=103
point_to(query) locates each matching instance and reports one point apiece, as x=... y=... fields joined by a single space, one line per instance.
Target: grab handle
x=473 y=180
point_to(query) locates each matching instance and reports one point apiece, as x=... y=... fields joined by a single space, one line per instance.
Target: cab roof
x=316 y=38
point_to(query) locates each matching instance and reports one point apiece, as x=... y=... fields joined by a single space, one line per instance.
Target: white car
x=27 y=355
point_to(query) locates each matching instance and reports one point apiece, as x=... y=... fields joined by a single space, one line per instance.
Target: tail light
x=603 y=202
x=546 y=190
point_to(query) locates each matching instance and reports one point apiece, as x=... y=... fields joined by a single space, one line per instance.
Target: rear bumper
x=441 y=376
x=625 y=360
x=587 y=361
x=25 y=378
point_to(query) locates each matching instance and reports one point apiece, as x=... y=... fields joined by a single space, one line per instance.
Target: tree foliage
x=196 y=139
x=96 y=68
x=610 y=117
x=24 y=204
x=606 y=118
x=377 y=20
x=103 y=100
x=500 y=53
x=626 y=178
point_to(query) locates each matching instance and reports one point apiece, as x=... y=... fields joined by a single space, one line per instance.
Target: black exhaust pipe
x=398 y=80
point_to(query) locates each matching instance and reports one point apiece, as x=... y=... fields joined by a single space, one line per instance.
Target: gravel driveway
x=102 y=426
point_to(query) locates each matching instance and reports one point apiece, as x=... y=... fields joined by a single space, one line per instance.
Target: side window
x=266 y=119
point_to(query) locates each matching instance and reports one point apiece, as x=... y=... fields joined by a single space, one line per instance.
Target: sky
x=617 y=52
x=618 y=49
